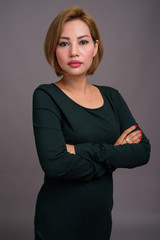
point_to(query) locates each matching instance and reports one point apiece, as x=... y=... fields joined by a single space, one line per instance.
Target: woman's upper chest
x=90 y=125
x=91 y=99
x=81 y=124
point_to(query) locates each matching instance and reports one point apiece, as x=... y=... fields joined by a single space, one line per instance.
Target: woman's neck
x=76 y=84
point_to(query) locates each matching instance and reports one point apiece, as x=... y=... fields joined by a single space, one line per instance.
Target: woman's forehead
x=75 y=27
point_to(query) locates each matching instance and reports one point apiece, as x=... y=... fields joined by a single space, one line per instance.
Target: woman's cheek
x=90 y=54
x=61 y=56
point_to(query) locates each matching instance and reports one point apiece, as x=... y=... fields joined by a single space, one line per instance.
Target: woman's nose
x=74 y=50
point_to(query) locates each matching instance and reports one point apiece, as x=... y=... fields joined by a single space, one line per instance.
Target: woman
x=83 y=132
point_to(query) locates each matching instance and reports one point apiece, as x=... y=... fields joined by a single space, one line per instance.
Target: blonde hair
x=54 y=31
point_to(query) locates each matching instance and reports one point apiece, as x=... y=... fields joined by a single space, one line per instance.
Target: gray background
x=130 y=32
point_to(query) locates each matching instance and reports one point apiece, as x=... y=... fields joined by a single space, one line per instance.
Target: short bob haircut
x=54 y=31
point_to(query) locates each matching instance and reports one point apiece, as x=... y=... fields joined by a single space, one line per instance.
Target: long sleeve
x=122 y=156
x=55 y=161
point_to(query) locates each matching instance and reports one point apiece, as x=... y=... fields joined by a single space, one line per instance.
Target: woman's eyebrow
x=83 y=36
x=67 y=38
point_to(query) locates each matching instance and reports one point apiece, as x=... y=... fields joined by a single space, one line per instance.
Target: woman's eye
x=83 y=42
x=63 y=44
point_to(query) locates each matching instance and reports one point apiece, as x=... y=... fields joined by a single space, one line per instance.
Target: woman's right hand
x=129 y=136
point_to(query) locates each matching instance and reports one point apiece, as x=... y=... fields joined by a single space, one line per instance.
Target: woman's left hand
x=70 y=148
x=130 y=135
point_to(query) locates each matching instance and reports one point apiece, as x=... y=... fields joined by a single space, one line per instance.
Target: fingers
x=70 y=148
x=121 y=139
x=128 y=131
x=134 y=137
x=130 y=135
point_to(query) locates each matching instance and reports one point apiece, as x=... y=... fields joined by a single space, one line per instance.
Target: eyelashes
x=63 y=44
x=82 y=42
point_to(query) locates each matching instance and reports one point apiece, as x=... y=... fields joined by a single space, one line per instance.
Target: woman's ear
x=96 y=48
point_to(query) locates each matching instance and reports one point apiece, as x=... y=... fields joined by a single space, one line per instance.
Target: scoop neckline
x=70 y=99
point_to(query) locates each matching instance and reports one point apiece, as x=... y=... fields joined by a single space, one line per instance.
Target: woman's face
x=76 y=49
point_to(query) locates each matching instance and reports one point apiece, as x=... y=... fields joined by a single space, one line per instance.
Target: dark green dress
x=75 y=201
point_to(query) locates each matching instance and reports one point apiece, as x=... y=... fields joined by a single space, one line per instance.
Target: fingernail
x=140 y=138
x=140 y=131
x=135 y=126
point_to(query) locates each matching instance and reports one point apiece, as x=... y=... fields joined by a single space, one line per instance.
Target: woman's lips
x=75 y=63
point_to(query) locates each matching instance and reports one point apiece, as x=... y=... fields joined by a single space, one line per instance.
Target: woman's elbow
x=55 y=166
x=147 y=152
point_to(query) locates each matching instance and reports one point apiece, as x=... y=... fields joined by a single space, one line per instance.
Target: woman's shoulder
x=44 y=87
x=109 y=91
x=105 y=88
x=44 y=92
x=44 y=96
